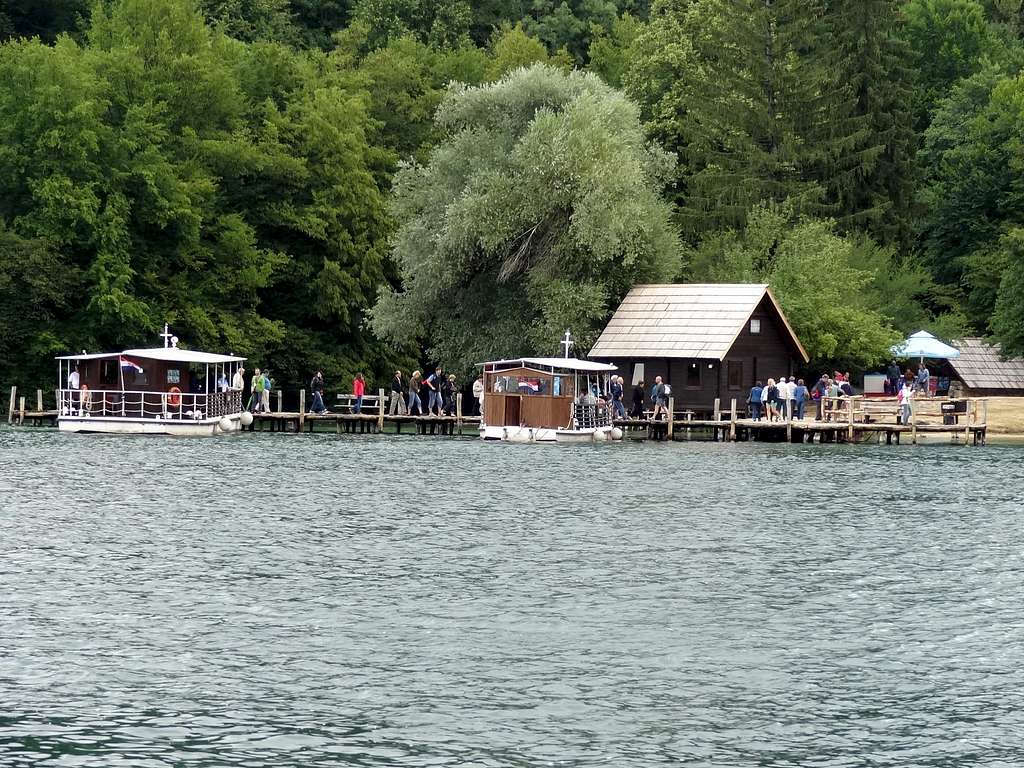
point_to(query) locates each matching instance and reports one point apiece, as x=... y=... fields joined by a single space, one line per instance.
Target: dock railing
x=129 y=404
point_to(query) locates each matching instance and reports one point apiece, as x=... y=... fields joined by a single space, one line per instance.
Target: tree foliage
x=537 y=210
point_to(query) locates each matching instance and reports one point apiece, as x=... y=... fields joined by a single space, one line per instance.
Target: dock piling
x=380 y=410
x=10 y=409
x=458 y=412
x=732 y=420
x=21 y=411
x=671 y=417
x=302 y=410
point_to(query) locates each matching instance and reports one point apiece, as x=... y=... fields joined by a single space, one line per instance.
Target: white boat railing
x=590 y=416
x=128 y=404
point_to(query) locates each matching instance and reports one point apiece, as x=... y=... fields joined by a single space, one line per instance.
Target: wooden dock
x=845 y=419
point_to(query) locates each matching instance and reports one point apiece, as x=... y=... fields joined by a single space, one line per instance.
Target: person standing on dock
x=397 y=405
x=433 y=385
x=660 y=398
x=478 y=395
x=923 y=377
x=754 y=401
x=768 y=397
x=358 y=390
x=267 y=386
x=893 y=378
x=414 y=394
x=615 y=389
x=256 y=387
x=800 y=397
x=316 y=386
x=905 y=397
x=448 y=390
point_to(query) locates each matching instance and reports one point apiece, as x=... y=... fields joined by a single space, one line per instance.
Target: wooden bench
x=345 y=403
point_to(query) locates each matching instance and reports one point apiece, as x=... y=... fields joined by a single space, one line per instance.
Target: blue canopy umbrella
x=922 y=344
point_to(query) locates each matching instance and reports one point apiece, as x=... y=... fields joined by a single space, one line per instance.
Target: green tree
x=1008 y=315
x=814 y=274
x=948 y=40
x=876 y=193
x=609 y=50
x=537 y=211
x=748 y=93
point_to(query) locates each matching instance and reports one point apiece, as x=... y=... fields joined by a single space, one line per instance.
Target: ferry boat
x=547 y=400
x=161 y=391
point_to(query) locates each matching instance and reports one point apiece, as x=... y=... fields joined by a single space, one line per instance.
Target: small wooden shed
x=982 y=370
x=706 y=340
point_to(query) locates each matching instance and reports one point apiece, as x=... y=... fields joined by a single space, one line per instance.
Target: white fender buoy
x=246 y=418
x=225 y=424
x=616 y=433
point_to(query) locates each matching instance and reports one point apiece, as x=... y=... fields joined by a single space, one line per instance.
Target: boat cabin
x=544 y=392
x=142 y=386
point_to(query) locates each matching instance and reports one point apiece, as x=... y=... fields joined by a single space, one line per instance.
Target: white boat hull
x=111 y=425
x=538 y=435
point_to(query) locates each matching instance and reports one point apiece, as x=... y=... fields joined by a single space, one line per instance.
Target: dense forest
x=358 y=184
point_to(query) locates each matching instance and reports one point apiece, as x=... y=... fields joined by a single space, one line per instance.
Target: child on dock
x=358 y=390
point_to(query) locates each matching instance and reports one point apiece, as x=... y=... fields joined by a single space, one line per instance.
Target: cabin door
x=512 y=418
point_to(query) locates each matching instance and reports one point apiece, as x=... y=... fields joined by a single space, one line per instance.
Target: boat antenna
x=567 y=343
x=167 y=336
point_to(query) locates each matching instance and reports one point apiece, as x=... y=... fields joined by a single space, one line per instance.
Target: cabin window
x=735 y=375
x=559 y=386
x=638 y=373
x=755 y=325
x=108 y=374
x=138 y=378
x=693 y=375
x=173 y=376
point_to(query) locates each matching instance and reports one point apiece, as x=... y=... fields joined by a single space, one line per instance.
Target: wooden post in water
x=10 y=409
x=380 y=411
x=39 y=400
x=302 y=409
x=670 y=429
x=732 y=420
x=849 y=419
x=458 y=412
x=21 y=409
x=913 y=420
x=717 y=415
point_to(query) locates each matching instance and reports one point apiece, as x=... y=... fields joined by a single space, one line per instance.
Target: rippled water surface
x=283 y=600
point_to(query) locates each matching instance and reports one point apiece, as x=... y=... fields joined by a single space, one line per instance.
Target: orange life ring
x=174 y=397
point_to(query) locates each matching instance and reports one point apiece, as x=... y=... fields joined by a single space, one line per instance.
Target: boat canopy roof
x=166 y=354
x=563 y=363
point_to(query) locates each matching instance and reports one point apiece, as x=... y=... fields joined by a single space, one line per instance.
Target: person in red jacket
x=358 y=389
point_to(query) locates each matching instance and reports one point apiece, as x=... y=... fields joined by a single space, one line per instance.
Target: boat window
x=108 y=374
x=532 y=385
x=559 y=386
x=136 y=378
x=173 y=376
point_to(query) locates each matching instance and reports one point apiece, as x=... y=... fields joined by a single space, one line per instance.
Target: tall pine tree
x=875 y=194
x=758 y=111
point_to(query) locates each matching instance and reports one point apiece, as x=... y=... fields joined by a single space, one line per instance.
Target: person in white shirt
x=783 y=387
x=74 y=382
x=478 y=393
x=238 y=380
x=905 y=396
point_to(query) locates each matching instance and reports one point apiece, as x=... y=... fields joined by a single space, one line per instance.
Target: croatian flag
x=126 y=363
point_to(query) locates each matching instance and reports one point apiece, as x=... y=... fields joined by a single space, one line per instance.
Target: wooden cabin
x=707 y=341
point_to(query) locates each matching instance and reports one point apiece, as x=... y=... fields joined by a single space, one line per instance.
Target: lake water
x=315 y=600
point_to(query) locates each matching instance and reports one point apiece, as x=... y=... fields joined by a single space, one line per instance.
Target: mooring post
x=849 y=419
x=458 y=412
x=913 y=420
x=717 y=415
x=39 y=400
x=10 y=409
x=380 y=412
x=732 y=420
x=302 y=409
x=671 y=417
x=21 y=408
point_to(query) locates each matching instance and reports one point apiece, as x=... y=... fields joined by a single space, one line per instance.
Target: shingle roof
x=980 y=366
x=699 y=320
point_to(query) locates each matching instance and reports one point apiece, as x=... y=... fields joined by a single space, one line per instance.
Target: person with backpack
x=448 y=394
x=267 y=386
x=256 y=387
x=433 y=385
